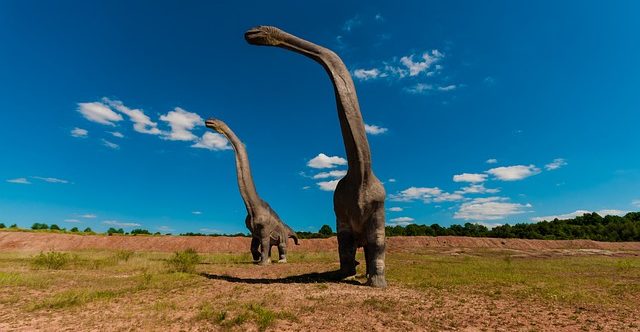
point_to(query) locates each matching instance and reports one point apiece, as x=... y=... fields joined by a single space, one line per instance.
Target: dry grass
x=430 y=289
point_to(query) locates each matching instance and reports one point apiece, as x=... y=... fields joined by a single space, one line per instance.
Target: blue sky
x=477 y=112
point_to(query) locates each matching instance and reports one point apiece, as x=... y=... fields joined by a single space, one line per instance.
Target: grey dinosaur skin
x=359 y=197
x=264 y=224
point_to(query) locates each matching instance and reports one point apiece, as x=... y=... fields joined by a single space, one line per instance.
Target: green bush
x=38 y=225
x=13 y=226
x=54 y=227
x=140 y=231
x=123 y=255
x=51 y=260
x=184 y=261
x=112 y=230
x=74 y=230
x=2 y=225
x=88 y=230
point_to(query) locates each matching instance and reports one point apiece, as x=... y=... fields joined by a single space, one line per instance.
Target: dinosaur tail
x=294 y=236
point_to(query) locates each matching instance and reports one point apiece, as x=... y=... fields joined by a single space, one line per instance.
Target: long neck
x=351 y=123
x=243 y=170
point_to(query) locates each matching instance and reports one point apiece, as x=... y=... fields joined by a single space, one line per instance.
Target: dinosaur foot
x=377 y=281
x=265 y=262
x=283 y=260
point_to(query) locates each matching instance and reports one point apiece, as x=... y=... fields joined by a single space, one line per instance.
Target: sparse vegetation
x=51 y=260
x=2 y=225
x=39 y=226
x=74 y=230
x=184 y=261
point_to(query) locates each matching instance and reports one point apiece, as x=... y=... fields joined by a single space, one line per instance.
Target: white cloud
x=181 y=123
x=306 y=187
x=116 y=134
x=636 y=202
x=99 y=112
x=416 y=193
x=88 y=216
x=396 y=209
x=331 y=174
x=328 y=185
x=374 y=130
x=447 y=88
x=579 y=213
x=50 y=180
x=555 y=164
x=73 y=221
x=392 y=180
x=165 y=229
x=477 y=189
x=324 y=161
x=141 y=122
x=447 y=197
x=366 y=74
x=110 y=145
x=470 y=177
x=514 y=173
x=401 y=221
x=19 y=181
x=120 y=223
x=379 y=17
x=197 y=213
x=210 y=230
x=212 y=141
x=352 y=23
x=489 y=208
x=492 y=161
x=417 y=67
x=419 y=88
x=79 y=132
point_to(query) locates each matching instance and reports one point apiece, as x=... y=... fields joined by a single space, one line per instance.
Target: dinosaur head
x=214 y=123
x=264 y=35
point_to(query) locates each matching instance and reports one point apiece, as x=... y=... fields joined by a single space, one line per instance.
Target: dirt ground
x=435 y=284
x=34 y=242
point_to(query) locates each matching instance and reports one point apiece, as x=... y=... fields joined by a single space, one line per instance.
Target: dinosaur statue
x=264 y=224
x=359 y=197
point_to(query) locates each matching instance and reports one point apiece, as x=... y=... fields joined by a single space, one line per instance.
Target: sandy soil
x=32 y=241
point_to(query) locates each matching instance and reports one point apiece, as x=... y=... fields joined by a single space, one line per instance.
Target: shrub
x=88 y=230
x=54 y=227
x=13 y=226
x=2 y=225
x=123 y=255
x=38 y=225
x=325 y=231
x=51 y=260
x=184 y=261
x=140 y=231
x=112 y=230
x=74 y=230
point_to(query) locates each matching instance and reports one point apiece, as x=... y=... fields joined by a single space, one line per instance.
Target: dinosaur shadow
x=308 y=278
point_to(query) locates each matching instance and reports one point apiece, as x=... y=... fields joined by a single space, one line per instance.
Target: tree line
x=590 y=226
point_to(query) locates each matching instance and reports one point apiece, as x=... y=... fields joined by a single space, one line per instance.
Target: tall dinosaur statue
x=266 y=227
x=359 y=197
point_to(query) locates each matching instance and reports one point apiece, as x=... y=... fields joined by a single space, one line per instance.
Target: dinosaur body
x=359 y=197
x=266 y=227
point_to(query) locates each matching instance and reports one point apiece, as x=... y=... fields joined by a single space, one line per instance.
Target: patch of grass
x=380 y=304
x=73 y=298
x=51 y=260
x=184 y=261
x=123 y=255
x=208 y=313
x=19 y=279
x=164 y=306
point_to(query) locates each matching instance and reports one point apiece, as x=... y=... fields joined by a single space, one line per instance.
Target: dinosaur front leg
x=255 y=249
x=265 y=243
x=375 y=249
x=346 y=248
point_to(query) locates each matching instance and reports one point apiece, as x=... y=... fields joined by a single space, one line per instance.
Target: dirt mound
x=32 y=241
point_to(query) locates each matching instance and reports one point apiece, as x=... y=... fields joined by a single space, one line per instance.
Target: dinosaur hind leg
x=375 y=249
x=265 y=244
x=346 y=248
x=282 y=251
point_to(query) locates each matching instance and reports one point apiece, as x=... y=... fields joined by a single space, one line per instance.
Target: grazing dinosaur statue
x=359 y=197
x=264 y=224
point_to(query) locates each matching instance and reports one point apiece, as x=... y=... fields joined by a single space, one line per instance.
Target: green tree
x=2 y=225
x=74 y=230
x=88 y=230
x=37 y=226
x=54 y=227
x=325 y=231
x=13 y=226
